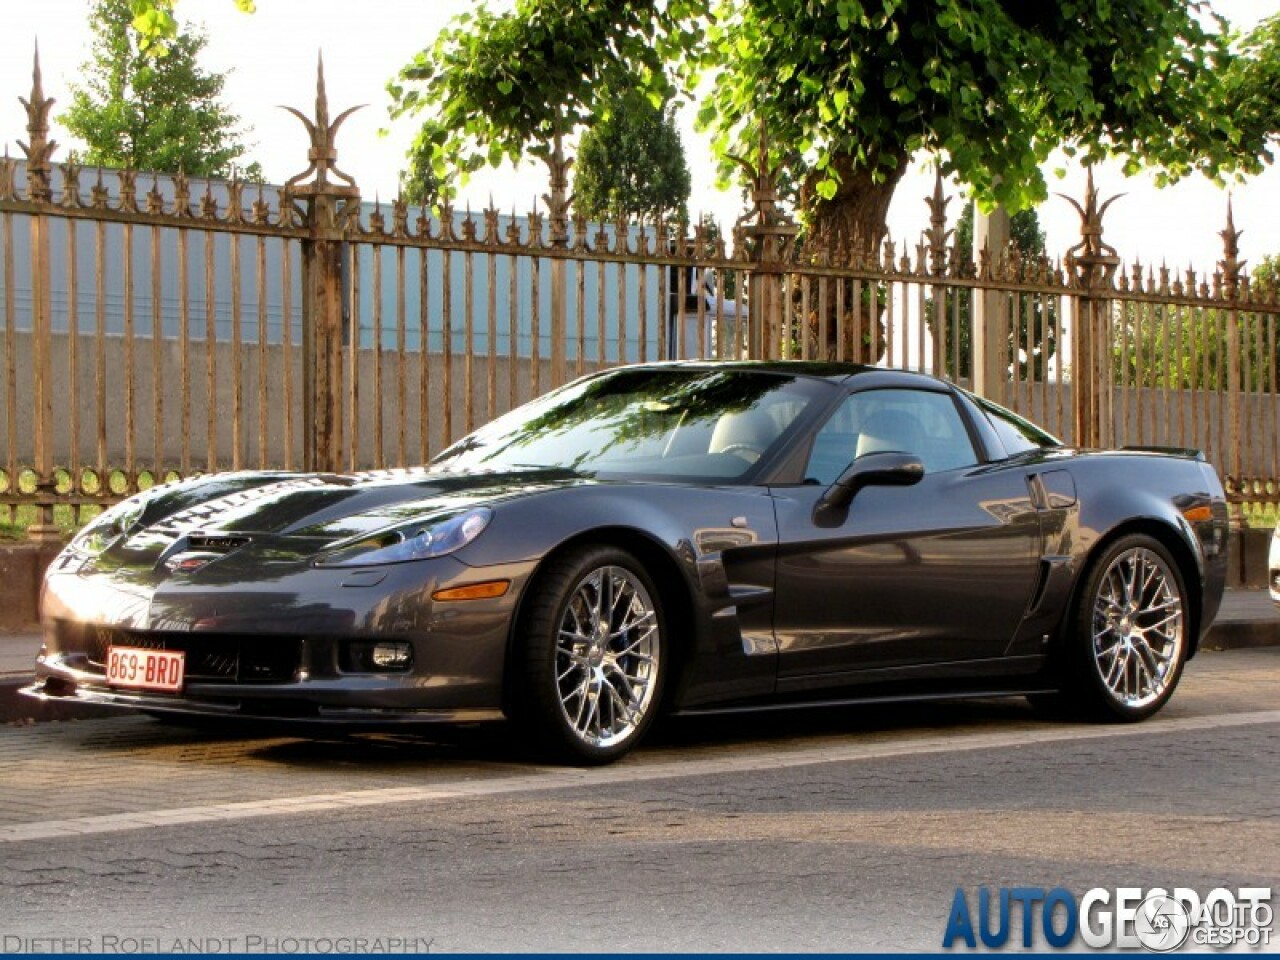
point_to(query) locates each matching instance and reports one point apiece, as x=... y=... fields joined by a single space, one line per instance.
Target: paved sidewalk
x=1248 y=619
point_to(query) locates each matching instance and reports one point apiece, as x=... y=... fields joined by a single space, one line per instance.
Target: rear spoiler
x=1191 y=453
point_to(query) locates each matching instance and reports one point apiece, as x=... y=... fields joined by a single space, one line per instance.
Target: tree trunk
x=848 y=227
x=854 y=219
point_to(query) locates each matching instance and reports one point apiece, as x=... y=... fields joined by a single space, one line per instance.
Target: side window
x=834 y=447
x=1017 y=435
x=921 y=422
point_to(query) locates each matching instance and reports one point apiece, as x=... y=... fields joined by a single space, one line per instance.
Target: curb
x=15 y=708
x=1242 y=635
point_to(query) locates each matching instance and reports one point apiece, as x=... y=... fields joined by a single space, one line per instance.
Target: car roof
x=832 y=371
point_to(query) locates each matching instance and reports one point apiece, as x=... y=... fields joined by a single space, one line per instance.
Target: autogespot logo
x=1162 y=923
x=1126 y=918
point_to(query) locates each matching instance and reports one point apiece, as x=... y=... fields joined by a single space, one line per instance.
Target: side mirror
x=889 y=468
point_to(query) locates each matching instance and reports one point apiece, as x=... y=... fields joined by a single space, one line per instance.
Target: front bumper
x=1273 y=566
x=280 y=648
x=303 y=712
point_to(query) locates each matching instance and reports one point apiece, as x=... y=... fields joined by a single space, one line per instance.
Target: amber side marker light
x=474 y=591
x=1202 y=514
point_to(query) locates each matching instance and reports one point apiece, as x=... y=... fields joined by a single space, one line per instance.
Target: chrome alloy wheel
x=1138 y=627
x=607 y=650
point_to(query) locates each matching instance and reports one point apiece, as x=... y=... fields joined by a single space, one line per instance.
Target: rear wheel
x=1131 y=625
x=592 y=655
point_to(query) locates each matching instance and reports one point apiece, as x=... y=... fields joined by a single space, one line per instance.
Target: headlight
x=109 y=526
x=415 y=541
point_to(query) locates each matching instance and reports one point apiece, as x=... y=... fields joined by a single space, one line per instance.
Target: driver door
x=939 y=571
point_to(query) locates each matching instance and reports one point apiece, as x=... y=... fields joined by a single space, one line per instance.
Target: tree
x=1253 y=83
x=631 y=163
x=1036 y=315
x=155 y=25
x=1187 y=348
x=151 y=113
x=419 y=184
x=1265 y=277
x=849 y=90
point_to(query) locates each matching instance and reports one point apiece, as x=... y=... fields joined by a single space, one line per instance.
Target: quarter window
x=1016 y=434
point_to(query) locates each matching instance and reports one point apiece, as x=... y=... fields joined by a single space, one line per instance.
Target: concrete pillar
x=990 y=234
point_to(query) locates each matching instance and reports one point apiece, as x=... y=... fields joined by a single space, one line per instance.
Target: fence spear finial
x=1231 y=264
x=323 y=155
x=1091 y=260
x=38 y=148
x=937 y=234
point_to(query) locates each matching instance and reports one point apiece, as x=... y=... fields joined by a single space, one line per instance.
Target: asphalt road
x=837 y=830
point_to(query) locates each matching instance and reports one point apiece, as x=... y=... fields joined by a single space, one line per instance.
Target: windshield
x=666 y=423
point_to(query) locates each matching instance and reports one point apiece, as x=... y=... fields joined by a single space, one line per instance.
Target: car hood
x=291 y=517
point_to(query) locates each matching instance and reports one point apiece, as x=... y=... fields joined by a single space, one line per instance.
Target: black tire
x=560 y=683
x=1129 y=633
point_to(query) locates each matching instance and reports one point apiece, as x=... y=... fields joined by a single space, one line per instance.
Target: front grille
x=210 y=658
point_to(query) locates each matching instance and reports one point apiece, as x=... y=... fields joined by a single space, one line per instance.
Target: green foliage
x=1265 y=277
x=1253 y=84
x=631 y=163
x=1183 y=348
x=156 y=26
x=992 y=86
x=15 y=520
x=160 y=114
x=501 y=85
x=419 y=184
x=1033 y=339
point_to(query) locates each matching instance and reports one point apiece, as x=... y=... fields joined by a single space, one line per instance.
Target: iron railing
x=156 y=326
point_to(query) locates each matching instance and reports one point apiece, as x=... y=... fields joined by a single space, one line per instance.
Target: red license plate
x=141 y=669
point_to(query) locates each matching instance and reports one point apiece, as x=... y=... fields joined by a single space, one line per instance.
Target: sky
x=272 y=55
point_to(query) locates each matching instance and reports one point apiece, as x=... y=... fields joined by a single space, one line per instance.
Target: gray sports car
x=679 y=538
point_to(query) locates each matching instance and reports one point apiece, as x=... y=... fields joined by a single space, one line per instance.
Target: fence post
x=1231 y=266
x=38 y=149
x=330 y=214
x=1092 y=266
x=936 y=244
x=558 y=202
x=771 y=234
x=989 y=329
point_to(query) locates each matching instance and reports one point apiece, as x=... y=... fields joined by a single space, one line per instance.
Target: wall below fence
x=22 y=569
x=1174 y=418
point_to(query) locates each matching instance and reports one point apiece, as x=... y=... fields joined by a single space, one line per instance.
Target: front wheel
x=1130 y=631
x=592 y=656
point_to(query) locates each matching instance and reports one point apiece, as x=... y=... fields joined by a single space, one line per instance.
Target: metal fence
x=155 y=326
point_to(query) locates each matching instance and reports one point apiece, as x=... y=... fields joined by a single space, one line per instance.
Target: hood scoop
x=215 y=542
x=198 y=550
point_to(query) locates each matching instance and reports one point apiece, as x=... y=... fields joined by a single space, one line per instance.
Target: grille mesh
x=210 y=658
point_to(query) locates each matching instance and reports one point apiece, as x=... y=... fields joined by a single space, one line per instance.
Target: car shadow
x=498 y=743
